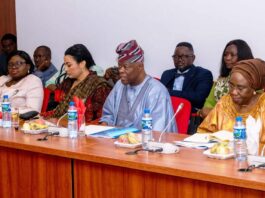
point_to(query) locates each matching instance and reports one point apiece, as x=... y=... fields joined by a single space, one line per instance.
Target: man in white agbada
x=136 y=91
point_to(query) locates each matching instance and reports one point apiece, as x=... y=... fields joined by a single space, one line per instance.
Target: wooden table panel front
x=29 y=174
x=43 y=169
x=94 y=180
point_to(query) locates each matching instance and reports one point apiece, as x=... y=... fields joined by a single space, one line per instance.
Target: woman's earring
x=254 y=93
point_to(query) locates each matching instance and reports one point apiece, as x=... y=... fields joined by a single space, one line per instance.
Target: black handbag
x=195 y=121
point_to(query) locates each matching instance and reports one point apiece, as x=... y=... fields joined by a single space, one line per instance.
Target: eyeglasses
x=15 y=64
x=183 y=56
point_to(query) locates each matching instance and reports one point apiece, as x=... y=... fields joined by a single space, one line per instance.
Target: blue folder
x=115 y=132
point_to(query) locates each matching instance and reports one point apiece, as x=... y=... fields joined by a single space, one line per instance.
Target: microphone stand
x=166 y=147
x=180 y=107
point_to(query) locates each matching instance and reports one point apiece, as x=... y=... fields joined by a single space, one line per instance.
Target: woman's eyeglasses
x=15 y=64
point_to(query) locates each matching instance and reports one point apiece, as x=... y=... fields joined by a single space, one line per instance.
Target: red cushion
x=183 y=117
x=46 y=98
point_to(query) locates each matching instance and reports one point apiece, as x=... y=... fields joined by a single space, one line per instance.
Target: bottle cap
x=239 y=119
x=5 y=96
x=146 y=111
x=71 y=103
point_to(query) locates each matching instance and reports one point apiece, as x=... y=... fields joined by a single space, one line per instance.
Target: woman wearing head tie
x=244 y=99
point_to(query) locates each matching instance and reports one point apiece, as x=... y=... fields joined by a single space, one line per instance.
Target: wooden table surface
x=188 y=163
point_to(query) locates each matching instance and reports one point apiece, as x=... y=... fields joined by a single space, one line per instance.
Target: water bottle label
x=72 y=115
x=240 y=133
x=6 y=107
x=147 y=124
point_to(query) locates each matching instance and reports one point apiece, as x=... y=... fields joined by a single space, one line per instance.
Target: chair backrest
x=58 y=95
x=46 y=98
x=156 y=78
x=183 y=117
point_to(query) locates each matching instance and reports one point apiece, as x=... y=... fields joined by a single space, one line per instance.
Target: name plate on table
x=108 y=132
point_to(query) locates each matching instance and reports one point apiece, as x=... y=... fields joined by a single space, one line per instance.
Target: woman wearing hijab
x=235 y=50
x=247 y=77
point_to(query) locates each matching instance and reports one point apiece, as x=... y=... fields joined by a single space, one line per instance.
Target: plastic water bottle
x=6 y=112
x=240 y=145
x=146 y=128
x=72 y=120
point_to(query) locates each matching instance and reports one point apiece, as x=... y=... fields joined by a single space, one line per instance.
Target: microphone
x=59 y=120
x=179 y=108
x=166 y=147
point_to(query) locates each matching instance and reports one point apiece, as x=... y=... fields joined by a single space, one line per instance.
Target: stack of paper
x=256 y=160
x=208 y=137
x=205 y=140
x=194 y=144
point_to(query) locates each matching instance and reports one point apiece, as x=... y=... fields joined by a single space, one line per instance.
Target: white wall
x=157 y=25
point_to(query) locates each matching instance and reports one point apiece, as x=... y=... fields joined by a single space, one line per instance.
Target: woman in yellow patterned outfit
x=247 y=77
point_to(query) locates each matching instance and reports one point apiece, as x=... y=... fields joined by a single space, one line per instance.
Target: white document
x=223 y=135
x=253 y=128
x=198 y=137
x=91 y=129
x=207 y=137
x=194 y=145
x=256 y=160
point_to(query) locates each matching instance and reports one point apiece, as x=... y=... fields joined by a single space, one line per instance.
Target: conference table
x=95 y=167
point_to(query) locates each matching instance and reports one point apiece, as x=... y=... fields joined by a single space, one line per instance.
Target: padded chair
x=46 y=97
x=183 y=117
x=156 y=78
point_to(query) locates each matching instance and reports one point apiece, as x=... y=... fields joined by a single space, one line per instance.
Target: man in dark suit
x=187 y=80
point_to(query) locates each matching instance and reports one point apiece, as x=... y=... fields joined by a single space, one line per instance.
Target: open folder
x=107 y=131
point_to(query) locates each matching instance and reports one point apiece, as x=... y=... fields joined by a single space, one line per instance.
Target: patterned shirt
x=93 y=91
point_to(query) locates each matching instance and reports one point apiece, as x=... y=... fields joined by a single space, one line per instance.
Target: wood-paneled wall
x=7 y=17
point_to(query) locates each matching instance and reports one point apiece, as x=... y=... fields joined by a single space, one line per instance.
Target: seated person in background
x=247 y=77
x=45 y=70
x=9 y=45
x=186 y=80
x=81 y=82
x=112 y=75
x=136 y=91
x=23 y=88
x=98 y=70
x=235 y=50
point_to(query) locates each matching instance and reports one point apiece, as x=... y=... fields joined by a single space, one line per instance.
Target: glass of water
x=15 y=118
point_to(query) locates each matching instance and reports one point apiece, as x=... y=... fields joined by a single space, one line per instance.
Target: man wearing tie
x=187 y=80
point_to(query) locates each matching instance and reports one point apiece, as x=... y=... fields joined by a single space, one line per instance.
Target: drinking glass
x=15 y=118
